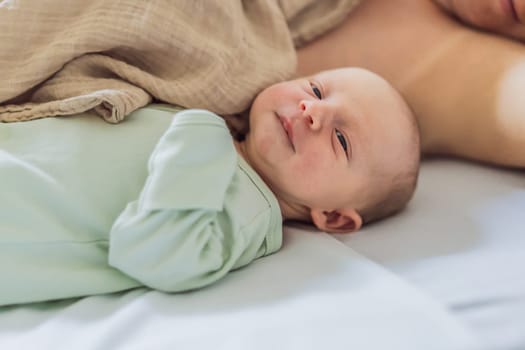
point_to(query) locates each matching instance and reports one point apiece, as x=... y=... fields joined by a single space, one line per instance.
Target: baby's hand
x=506 y=17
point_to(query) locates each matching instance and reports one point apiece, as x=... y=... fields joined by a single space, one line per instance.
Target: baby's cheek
x=315 y=167
x=264 y=141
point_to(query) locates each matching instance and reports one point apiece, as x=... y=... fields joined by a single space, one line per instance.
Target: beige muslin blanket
x=61 y=57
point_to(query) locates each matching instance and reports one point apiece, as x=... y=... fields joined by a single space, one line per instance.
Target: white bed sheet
x=462 y=241
x=314 y=294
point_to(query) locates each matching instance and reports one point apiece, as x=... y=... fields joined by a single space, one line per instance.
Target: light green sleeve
x=181 y=233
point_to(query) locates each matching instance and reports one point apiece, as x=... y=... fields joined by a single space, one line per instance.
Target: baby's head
x=338 y=149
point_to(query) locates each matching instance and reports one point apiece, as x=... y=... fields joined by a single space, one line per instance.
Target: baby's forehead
x=339 y=73
x=357 y=83
x=350 y=77
x=352 y=73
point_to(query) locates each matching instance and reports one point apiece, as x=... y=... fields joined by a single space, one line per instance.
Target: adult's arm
x=465 y=86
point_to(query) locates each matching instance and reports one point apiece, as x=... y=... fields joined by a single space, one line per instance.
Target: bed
x=447 y=273
x=461 y=242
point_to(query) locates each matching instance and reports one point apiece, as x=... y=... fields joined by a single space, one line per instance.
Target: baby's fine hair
x=401 y=186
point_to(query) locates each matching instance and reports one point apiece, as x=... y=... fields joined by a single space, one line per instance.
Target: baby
x=337 y=149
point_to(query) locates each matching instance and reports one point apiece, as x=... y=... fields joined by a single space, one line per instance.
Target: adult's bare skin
x=506 y=17
x=465 y=86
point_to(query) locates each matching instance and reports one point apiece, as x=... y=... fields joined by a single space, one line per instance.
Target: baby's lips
x=287 y=126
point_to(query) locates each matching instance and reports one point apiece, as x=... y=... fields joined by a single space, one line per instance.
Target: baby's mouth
x=287 y=126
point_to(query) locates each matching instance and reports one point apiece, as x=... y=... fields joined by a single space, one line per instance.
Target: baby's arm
x=186 y=229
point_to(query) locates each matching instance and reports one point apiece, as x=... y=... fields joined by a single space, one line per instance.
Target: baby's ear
x=344 y=220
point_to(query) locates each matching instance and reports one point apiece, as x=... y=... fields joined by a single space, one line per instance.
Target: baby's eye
x=342 y=140
x=316 y=91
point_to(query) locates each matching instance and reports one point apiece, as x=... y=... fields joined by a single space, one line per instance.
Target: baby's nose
x=313 y=114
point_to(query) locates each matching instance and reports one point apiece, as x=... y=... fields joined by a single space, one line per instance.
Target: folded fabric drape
x=62 y=57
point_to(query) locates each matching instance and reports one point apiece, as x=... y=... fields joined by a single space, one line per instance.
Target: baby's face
x=319 y=142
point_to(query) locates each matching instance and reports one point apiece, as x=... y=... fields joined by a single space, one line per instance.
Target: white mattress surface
x=461 y=241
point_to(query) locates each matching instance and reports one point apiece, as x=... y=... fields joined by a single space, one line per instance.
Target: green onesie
x=87 y=207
